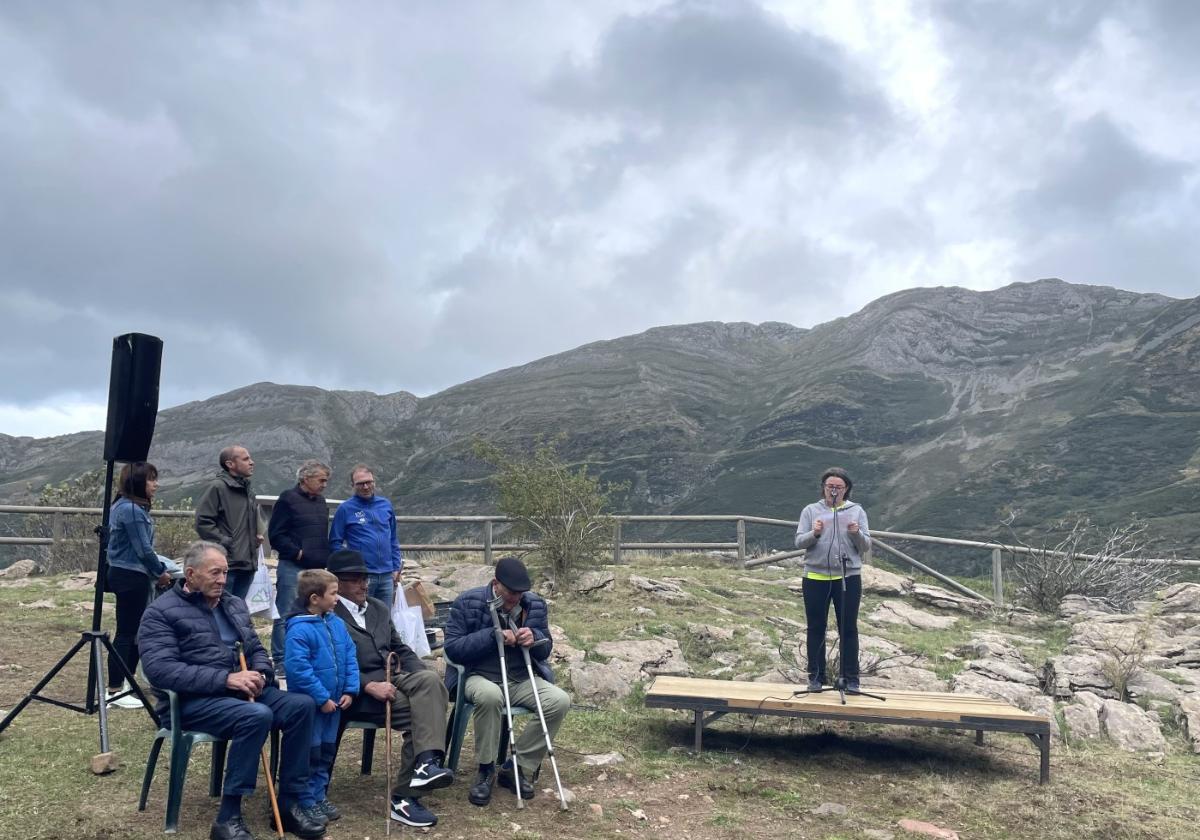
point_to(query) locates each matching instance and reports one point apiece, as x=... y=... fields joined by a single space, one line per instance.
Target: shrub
x=1088 y=561
x=558 y=506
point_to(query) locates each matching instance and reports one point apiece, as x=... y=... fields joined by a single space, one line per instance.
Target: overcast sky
x=391 y=196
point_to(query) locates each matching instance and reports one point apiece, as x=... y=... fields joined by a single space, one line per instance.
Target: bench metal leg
x=699 y=717
x=1045 y=748
x=1043 y=744
x=979 y=737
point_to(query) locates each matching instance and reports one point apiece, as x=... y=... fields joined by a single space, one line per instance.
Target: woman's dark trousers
x=817 y=595
x=133 y=593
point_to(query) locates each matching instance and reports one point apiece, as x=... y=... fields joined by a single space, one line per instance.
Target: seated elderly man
x=415 y=691
x=471 y=642
x=188 y=639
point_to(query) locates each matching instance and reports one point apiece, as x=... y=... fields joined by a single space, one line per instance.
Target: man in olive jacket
x=418 y=698
x=226 y=515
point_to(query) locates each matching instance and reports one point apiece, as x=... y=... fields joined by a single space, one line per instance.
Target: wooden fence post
x=616 y=542
x=997 y=578
x=741 y=541
x=57 y=527
x=487 y=543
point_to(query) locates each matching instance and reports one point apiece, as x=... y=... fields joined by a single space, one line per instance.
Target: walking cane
x=537 y=701
x=512 y=738
x=265 y=763
x=387 y=739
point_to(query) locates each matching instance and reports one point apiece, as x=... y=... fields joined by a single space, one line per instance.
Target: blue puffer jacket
x=181 y=646
x=320 y=658
x=470 y=636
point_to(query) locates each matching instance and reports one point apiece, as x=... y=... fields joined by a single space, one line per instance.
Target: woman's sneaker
x=129 y=701
x=410 y=811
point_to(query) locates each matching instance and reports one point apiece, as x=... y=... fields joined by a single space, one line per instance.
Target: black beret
x=512 y=573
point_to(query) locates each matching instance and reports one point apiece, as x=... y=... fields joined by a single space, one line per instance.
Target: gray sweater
x=823 y=551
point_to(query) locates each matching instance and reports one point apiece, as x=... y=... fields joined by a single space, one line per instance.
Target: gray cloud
x=408 y=196
x=693 y=70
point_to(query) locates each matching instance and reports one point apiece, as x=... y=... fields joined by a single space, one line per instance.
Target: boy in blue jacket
x=321 y=663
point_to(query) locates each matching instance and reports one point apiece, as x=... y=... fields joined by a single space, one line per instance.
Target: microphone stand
x=839 y=684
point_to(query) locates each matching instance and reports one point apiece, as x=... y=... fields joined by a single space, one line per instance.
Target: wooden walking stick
x=241 y=652
x=387 y=739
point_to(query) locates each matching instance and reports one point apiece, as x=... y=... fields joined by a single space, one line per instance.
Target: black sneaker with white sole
x=429 y=774
x=410 y=811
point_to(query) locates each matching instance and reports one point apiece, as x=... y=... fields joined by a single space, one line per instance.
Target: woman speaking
x=133 y=567
x=832 y=530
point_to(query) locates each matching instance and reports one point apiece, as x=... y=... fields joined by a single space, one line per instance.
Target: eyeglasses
x=835 y=486
x=364 y=483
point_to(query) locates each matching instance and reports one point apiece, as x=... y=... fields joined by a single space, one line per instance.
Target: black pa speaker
x=132 y=397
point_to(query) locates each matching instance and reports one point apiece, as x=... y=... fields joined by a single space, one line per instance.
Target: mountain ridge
x=948 y=405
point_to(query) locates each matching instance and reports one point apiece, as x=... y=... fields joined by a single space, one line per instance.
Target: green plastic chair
x=182 y=741
x=460 y=717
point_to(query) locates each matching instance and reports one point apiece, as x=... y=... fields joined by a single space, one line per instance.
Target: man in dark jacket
x=299 y=533
x=226 y=515
x=415 y=692
x=188 y=640
x=471 y=642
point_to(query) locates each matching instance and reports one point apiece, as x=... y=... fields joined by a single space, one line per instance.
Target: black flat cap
x=346 y=562
x=512 y=573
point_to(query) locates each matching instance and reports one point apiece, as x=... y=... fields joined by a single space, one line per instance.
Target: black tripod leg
x=127 y=676
x=51 y=674
x=97 y=668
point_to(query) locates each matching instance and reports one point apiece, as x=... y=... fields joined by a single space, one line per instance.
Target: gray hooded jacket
x=824 y=550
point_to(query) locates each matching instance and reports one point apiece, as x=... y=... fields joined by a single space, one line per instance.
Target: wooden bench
x=712 y=699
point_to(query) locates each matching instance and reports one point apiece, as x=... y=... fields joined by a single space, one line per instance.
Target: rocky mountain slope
x=949 y=407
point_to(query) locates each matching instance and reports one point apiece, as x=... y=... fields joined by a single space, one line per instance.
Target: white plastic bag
x=409 y=624
x=261 y=596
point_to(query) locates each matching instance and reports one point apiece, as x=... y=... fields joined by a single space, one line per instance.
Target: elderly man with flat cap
x=415 y=692
x=471 y=642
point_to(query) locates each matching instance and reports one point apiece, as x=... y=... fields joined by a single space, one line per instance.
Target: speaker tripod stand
x=97 y=644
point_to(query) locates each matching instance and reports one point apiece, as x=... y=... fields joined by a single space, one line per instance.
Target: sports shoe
x=232 y=829
x=410 y=811
x=814 y=684
x=506 y=780
x=431 y=775
x=328 y=809
x=481 y=792
x=852 y=684
x=129 y=701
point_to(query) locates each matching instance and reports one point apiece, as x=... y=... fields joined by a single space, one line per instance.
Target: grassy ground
x=753 y=780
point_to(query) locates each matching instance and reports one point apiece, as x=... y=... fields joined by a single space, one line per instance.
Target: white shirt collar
x=359 y=614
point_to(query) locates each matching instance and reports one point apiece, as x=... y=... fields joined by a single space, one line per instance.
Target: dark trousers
x=238 y=583
x=247 y=726
x=133 y=593
x=817 y=595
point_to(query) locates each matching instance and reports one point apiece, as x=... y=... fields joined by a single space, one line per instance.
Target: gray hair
x=194 y=555
x=310 y=468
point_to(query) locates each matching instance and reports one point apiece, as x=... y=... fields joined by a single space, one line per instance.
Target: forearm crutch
x=241 y=652
x=512 y=738
x=537 y=701
x=387 y=739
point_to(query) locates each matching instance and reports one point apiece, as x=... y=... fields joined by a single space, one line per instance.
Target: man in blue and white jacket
x=366 y=523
